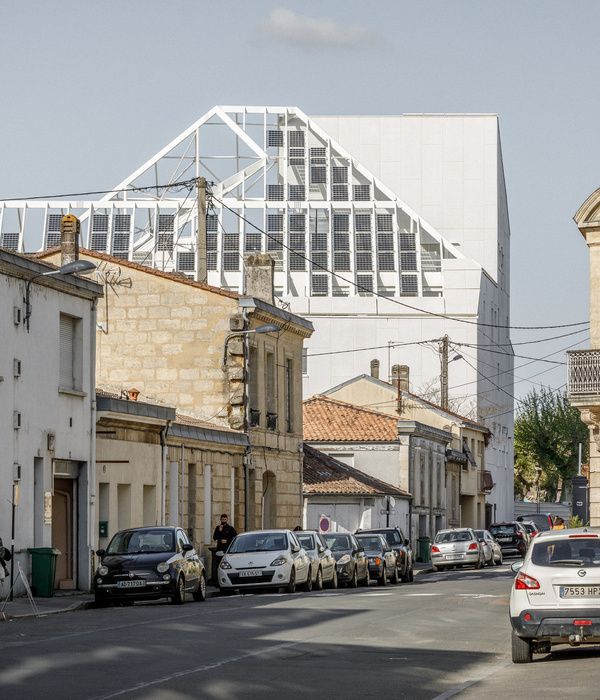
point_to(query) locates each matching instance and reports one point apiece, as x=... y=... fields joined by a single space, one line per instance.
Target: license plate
x=250 y=573
x=579 y=591
x=135 y=583
x=454 y=556
x=504 y=539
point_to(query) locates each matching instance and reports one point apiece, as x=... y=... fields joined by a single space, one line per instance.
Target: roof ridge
x=345 y=404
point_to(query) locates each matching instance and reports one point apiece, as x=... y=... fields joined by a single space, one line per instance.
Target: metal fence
x=583 y=372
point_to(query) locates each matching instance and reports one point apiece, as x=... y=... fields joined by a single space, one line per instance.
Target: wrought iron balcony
x=271 y=421
x=254 y=417
x=485 y=482
x=583 y=372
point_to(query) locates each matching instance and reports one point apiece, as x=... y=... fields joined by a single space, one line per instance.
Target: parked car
x=457 y=547
x=381 y=557
x=323 y=567
x=351 y=561
x=265 y=559
x=544 y=521
x=531 y=527
x=512 y=537
x=402 y=548
x=148 y=563
x=491 y=549
x=555 y=598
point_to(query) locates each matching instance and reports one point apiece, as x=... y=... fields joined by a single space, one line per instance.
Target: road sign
x=324 y=524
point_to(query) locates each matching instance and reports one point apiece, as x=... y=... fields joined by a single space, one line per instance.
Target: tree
x=548 y=431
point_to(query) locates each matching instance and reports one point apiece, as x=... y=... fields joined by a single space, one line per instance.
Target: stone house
x=185 y=344
x=407 y=454
x=47 y=391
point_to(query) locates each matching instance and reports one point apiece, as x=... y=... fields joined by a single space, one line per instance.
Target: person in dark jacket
x=4 y=557
x=224 y=533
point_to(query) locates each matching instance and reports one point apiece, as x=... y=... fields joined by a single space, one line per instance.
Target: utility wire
x=172 y=186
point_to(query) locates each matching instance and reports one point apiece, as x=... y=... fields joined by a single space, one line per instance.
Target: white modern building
x=388 y=234
x=47 y=418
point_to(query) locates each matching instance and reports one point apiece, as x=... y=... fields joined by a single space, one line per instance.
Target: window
x=318 y=174
x=297 y=193
x=320 y=285
x=365 y=285
x=10 y=241
x=212 y=223
x=318 y=156
x=275 y=193
x=407 y=241
x=339 y=175
x=296 y=139
x=339 y=193
x=270 y=388
x=289 y=395
x=341 y=222
x=70 y=353
x=186 y=261
x=296 y=147
x=275 y=231
x=410 y=286
x=385 y=222
x=362 y=193
x=362 y=222
x=231 y=251
x=99 y=240
x=364 y=261
x=275 y=138
x=341 y=261
x=408 y=260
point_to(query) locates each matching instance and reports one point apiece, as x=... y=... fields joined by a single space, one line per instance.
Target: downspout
x=246 y=458
x=412 y=492
x=181 y=489
x=163 y=443
x=92 y=471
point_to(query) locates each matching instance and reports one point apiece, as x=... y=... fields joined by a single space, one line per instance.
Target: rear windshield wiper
x=575 y=562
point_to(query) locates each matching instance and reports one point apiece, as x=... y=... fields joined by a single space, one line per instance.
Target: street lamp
x=83 y=267
x=267 y=328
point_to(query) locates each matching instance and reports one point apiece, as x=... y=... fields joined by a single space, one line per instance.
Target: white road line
x=463 y=686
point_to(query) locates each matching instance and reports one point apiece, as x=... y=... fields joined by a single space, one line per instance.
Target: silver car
x=491 y=549
x=458 y=547
x=323 y=570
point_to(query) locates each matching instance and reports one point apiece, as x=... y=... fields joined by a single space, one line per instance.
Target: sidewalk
x=69 y=601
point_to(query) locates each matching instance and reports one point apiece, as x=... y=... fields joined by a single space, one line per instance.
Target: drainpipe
x=92 y=470
x=163 y=442
x=412 y=491
x=181 y=491
x=246 y=422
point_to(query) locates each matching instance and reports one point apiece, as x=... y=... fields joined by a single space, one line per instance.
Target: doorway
x=62 y=531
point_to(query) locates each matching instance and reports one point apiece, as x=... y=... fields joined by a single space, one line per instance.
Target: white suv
x=555 y=598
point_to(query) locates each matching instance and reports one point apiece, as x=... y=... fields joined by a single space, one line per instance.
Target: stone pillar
x=591 y=417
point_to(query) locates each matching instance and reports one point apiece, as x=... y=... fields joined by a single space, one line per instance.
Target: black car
x=511 y=536
x=401 y=546
x=543 y=520
x=147 y=563
x=381 y=557
x=351 y=562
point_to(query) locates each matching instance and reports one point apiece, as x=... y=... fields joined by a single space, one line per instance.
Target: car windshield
x=454 y=536
x=540 y=519
x=306 y=541
x=338 y=543
x=500 y=530
x=580 y=551
x=259 y=542
x=369 y=542
x=140 y=542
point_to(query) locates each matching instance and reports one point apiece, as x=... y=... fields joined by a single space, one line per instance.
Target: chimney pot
x=70 y=227
x=403 y=378
x=133 y=394
x=395 y=375
x=375 y=369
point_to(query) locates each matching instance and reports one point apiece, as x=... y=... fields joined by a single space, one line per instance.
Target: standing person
x=4 y=557
x=224 y=534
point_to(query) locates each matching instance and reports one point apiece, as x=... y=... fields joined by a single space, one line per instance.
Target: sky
x=91 y=90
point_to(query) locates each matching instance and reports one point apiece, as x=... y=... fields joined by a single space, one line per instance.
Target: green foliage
x=576 y=521
x=548 y=431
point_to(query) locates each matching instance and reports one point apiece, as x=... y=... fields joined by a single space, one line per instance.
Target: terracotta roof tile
x=326 y=419
x=324 y=475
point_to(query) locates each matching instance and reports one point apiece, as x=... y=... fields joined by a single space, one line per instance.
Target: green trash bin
x=424 y=543
x=43 y=570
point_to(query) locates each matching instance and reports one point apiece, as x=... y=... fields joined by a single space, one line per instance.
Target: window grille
x=385 y=241
x=298 y=222
x=297 y=193
x=362 y=222
x=275 y=240
x=211 y=241
x=166 y=222
x=231 y=241
x=212 y=222
x=297 y=241
x=186 y=261
x=407 y=241
x=341 y=222
x=410 y=286
x=320 y=285
x=339 y=175
x=318 y=156
x=275 y=193
x=231 y=261
x=274 y=222
x=296 y=156
x=319 y=241
x=318 y=174
x=275 y=138
x=341 y=261
x=362 y=193
x=297 y=262
x=122 y=223
x=99 y=241
x=385 y=262
x=53 y=237
x=165 y=241
x=211 y=260
x=253 y=242
x=362 y=241
x=319 y=261
x=120 y=244
x=365 y=285
x=364 y=261
x=296 y=139
x=385 y=222
x=408 y=260
x=341 y=241
x=99 y=222
x=10 y=241
x=339 y=193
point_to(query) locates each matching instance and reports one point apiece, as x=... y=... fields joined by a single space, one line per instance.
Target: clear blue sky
x=90 y=90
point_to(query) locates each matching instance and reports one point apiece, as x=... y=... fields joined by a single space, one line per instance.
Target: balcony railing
x=271 y=421
x=254 y=417
x=583 y=372
x=485 y=482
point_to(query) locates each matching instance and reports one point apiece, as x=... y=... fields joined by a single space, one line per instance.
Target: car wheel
x=479 y=564
x=367 y=579
x=291 y=587
x=178 y=598
x=406 y=576
x=334 y=580
x=500 y=560
x=353 y=583
x=394 y=578
x=318 y=584
x=200 y=594
x=521 y=650
x=491 y=561
x=382 y=580
x=308 y=586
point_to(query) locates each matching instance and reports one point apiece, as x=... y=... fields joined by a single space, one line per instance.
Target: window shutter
x=66 y=352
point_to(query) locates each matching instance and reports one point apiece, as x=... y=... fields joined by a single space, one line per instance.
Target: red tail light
x=472 y=546
x=435 y=549
x=525 y=583
x=578 y=623
x=519 y=534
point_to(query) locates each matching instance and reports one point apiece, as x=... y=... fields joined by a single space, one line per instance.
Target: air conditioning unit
x=16 y=367
x=16 y=420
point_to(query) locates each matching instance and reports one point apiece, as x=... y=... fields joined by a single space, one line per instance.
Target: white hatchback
x=555 y=598
x=265 y=559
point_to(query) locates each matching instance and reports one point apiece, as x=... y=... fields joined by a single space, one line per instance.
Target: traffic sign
x=324 y=524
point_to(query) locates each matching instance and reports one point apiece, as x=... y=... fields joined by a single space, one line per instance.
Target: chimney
x=395 y=375
x=260 y=270
x=375 y=369
x=403 y=377
x=69 y=239
x=133 y=394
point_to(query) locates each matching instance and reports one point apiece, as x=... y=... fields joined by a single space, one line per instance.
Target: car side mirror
x=187 y=547
x=515 y=566
x=321 y=549
x=295 y=548
x=100 y=552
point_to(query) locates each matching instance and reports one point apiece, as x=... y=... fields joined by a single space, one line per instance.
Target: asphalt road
x=445 y=635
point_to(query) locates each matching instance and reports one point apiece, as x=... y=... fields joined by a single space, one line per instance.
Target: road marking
x=479 y=595
x=418 y=595
x=463 y=686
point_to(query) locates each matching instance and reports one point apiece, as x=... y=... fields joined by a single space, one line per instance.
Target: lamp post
x=266 y=328
x=444 y=376
x=82 y=267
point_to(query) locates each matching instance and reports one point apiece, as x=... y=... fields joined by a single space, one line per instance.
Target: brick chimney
x=260 y=273
x=69 y=239
x=375 y=369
